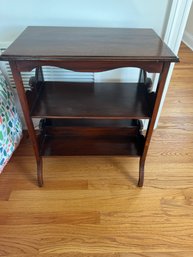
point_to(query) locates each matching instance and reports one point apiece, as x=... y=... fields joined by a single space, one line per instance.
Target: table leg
x=25 y=107
x=159 y=92
x=141 y=172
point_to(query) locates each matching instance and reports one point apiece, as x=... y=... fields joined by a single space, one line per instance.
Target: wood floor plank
x=101 y=238
x=128 y=254
x=32 y=218
x=102 y=204
x=18 y=246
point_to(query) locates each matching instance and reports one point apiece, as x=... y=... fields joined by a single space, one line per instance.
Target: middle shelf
x=90 y=100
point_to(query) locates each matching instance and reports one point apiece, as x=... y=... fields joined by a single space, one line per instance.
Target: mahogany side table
x=89 y=118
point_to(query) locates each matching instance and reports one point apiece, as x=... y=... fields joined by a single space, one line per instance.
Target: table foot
x=40 y=173
x=141 y=173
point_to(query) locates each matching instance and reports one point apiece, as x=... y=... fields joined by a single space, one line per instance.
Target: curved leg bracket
x=141 y=173
x=40 y=173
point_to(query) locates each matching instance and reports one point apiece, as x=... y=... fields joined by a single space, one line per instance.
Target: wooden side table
x=89 y=118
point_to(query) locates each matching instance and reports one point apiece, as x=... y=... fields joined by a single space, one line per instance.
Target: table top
x=61 y=43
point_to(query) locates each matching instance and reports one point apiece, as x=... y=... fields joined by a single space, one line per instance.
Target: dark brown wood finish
x=61 y=43
x=151 y=124
x=92 y=100
x=28 y=120
x=107 y=111
x=91 y=137
x=86 y=65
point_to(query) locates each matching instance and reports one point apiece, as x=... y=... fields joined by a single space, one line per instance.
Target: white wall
x=16 y=15
x=188 y=34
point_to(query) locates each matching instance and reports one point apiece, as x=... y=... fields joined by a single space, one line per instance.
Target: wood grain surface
x=89 y=43
x=90 y=206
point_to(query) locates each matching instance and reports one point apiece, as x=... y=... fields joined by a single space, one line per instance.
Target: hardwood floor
x=91 y=206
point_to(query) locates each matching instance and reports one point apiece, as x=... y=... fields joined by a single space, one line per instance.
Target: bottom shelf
x=91 y=137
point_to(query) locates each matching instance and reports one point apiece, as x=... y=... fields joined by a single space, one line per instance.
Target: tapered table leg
x=159 y=93
x=40 y=172
x=25 y=107
x=141 y=173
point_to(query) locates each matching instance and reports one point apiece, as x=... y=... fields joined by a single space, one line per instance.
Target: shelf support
x=39 y=74
x=159 y=92
x=142 y=76
x=24 y=104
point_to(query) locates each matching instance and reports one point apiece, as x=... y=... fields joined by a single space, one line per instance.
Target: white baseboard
x=188 y=39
